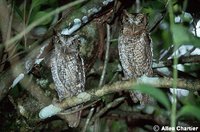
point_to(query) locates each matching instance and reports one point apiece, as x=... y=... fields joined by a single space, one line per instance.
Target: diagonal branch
x=90 y=95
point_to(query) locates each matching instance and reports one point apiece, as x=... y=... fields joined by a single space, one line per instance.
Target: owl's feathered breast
x=67 y=71
x=135 y=50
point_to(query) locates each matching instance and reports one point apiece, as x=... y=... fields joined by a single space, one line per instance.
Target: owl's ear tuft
x=125 y=12
x=125 y=15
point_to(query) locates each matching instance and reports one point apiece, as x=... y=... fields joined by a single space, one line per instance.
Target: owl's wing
x=125 y=56
x=143 y=55
x=55 y=69
x=76 y=67
x=149 y=55
x=71 y=73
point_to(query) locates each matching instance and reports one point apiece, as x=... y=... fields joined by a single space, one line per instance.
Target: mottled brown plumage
x=68 y=73
x=135 y=50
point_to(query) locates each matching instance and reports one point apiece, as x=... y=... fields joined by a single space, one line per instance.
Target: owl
x=68 y=72
x=135 y=50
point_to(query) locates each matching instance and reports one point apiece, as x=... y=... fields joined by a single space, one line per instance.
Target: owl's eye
x=130 y=20
x=138 y=20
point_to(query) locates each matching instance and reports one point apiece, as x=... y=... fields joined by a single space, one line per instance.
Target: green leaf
x=40 y=14
x=181 y=35
x=195 y=41
x=36 y=3
x=167 y=38
x=18 y=11
x=155 y=4
x=190 y=111
x=156 y=93
x=118 y=126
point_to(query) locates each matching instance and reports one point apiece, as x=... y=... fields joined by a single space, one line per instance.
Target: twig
x=114 y=77
x=88 y=119
x=96 y=127
x=116 y=87
x=4 y=19
x=107 y=107
x=79 y=109
x=181 y=60
x=4 y=27
x=106 y=56
x=137 y=4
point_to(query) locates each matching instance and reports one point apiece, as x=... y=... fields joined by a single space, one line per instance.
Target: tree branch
x=116 y=87
x=181 y=60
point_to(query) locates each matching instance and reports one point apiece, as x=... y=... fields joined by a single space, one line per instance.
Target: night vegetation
x=28 y=97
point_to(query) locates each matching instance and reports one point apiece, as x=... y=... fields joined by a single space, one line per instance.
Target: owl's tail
x=136 y=96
